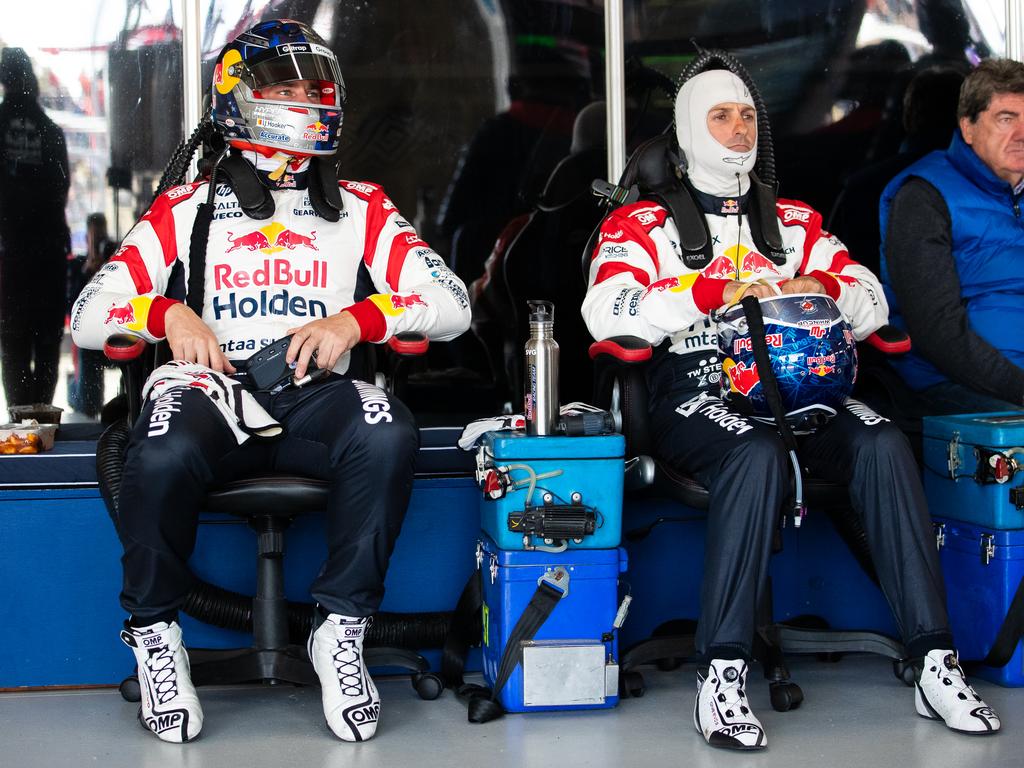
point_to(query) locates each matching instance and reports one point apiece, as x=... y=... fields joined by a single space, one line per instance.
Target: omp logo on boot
x=367 y=714
x=272 y=238
x=132 y=315
x=161 y=723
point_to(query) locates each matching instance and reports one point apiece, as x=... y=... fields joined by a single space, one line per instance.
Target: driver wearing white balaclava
x=713 y=168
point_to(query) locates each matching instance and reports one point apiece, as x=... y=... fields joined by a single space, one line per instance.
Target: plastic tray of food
x=26 y=437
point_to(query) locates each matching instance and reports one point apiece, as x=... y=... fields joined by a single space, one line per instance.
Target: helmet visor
x=301 y=65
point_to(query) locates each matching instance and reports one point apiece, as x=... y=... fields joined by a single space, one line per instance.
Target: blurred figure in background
x=85 y=383
x=34 y=236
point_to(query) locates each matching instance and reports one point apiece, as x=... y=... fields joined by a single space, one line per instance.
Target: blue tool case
x=572 y=660
x=551 y=491
x=971 y=468
x=982 y=568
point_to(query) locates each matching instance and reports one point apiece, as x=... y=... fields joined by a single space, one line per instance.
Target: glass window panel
x=109 y=81
x=833 y=74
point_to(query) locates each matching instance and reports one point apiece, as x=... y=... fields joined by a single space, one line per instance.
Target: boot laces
x=953 y=677
x=163 y=673
x=730 y=696
x=348 y=664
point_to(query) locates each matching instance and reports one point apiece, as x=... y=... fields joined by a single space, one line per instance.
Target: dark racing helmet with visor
x=245 y=106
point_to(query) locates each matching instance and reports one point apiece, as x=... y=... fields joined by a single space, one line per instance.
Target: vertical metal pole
x=191 y=71
x=1014 y=30
x=615 y=87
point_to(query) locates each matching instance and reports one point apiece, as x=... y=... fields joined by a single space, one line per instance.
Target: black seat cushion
x=818 y=493
x=272 y=494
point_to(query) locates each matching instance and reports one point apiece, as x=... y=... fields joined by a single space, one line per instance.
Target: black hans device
x=269 y=371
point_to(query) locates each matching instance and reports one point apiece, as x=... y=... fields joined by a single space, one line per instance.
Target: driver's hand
x=802 y=284
x=329 y=337
x=760 y=290
x=191 y=339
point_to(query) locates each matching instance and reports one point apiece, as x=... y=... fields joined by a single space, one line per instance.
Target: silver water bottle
x=541 y=369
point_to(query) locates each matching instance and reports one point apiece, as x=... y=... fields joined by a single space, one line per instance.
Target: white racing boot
x=721 y=711
x=351 y=701
x=170 y=707
x=943 y=693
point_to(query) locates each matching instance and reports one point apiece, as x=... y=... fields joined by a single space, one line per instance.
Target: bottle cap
x=541 y=311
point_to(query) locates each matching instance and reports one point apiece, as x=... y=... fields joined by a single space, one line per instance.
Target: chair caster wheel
x=130 y=689
x=669 y=665
x=785 y=696
x=632 y=685
x=427 y=685
x=904 y=671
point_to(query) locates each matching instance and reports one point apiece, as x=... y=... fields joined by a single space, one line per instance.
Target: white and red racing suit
x=640 y=286
x=262 y=278
x=266 y=276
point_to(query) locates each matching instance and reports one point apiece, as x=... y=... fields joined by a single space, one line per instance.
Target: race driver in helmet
x=333 y=269
x=640 y=285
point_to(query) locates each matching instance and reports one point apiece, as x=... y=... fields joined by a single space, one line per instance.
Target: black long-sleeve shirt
x=923 y=275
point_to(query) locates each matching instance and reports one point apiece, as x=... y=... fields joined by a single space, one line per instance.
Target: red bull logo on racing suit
x=272 y=238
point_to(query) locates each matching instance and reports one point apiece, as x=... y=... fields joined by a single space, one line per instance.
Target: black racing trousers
x=344 y=431
x=744 y=466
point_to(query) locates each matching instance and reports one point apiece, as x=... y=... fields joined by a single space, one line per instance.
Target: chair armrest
x=627 y=350
x=123 y=348
x=409 y=344
x=890 y=340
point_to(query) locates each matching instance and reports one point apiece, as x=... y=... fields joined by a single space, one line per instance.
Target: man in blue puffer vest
x=953 y=253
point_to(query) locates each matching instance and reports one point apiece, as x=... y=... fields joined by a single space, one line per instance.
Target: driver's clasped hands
x=735 y=290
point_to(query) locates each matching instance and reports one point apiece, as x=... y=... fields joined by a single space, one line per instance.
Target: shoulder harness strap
x=324 y=195
x=764 y=221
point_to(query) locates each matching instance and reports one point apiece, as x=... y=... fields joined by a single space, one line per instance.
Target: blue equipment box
x=572 y=662
x=581 y=505
x=963 y=456
x=982 y=568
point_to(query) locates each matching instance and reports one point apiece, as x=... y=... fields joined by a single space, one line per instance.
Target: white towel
x=469 y=440
x=235 y=403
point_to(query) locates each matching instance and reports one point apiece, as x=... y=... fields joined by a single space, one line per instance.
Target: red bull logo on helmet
x=316 y=131
x=741 y=378
x=272 y=238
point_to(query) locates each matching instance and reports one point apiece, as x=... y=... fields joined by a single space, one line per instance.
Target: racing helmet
x=274 y=52
x=812 y=351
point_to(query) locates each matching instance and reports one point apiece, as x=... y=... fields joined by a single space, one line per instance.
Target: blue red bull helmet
x=813 y=354
x=270 y=53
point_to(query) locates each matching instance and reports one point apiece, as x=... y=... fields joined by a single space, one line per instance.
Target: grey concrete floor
x=855 y=714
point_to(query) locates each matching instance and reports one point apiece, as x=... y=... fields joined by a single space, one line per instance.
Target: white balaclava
x=712 y=168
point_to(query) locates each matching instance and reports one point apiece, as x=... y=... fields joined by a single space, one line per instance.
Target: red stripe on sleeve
x=612 y=268
x=375 y=218
x=840 y=262
x=161 y=219
x=829 y=283
x=400 y=247
x=129 y=256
